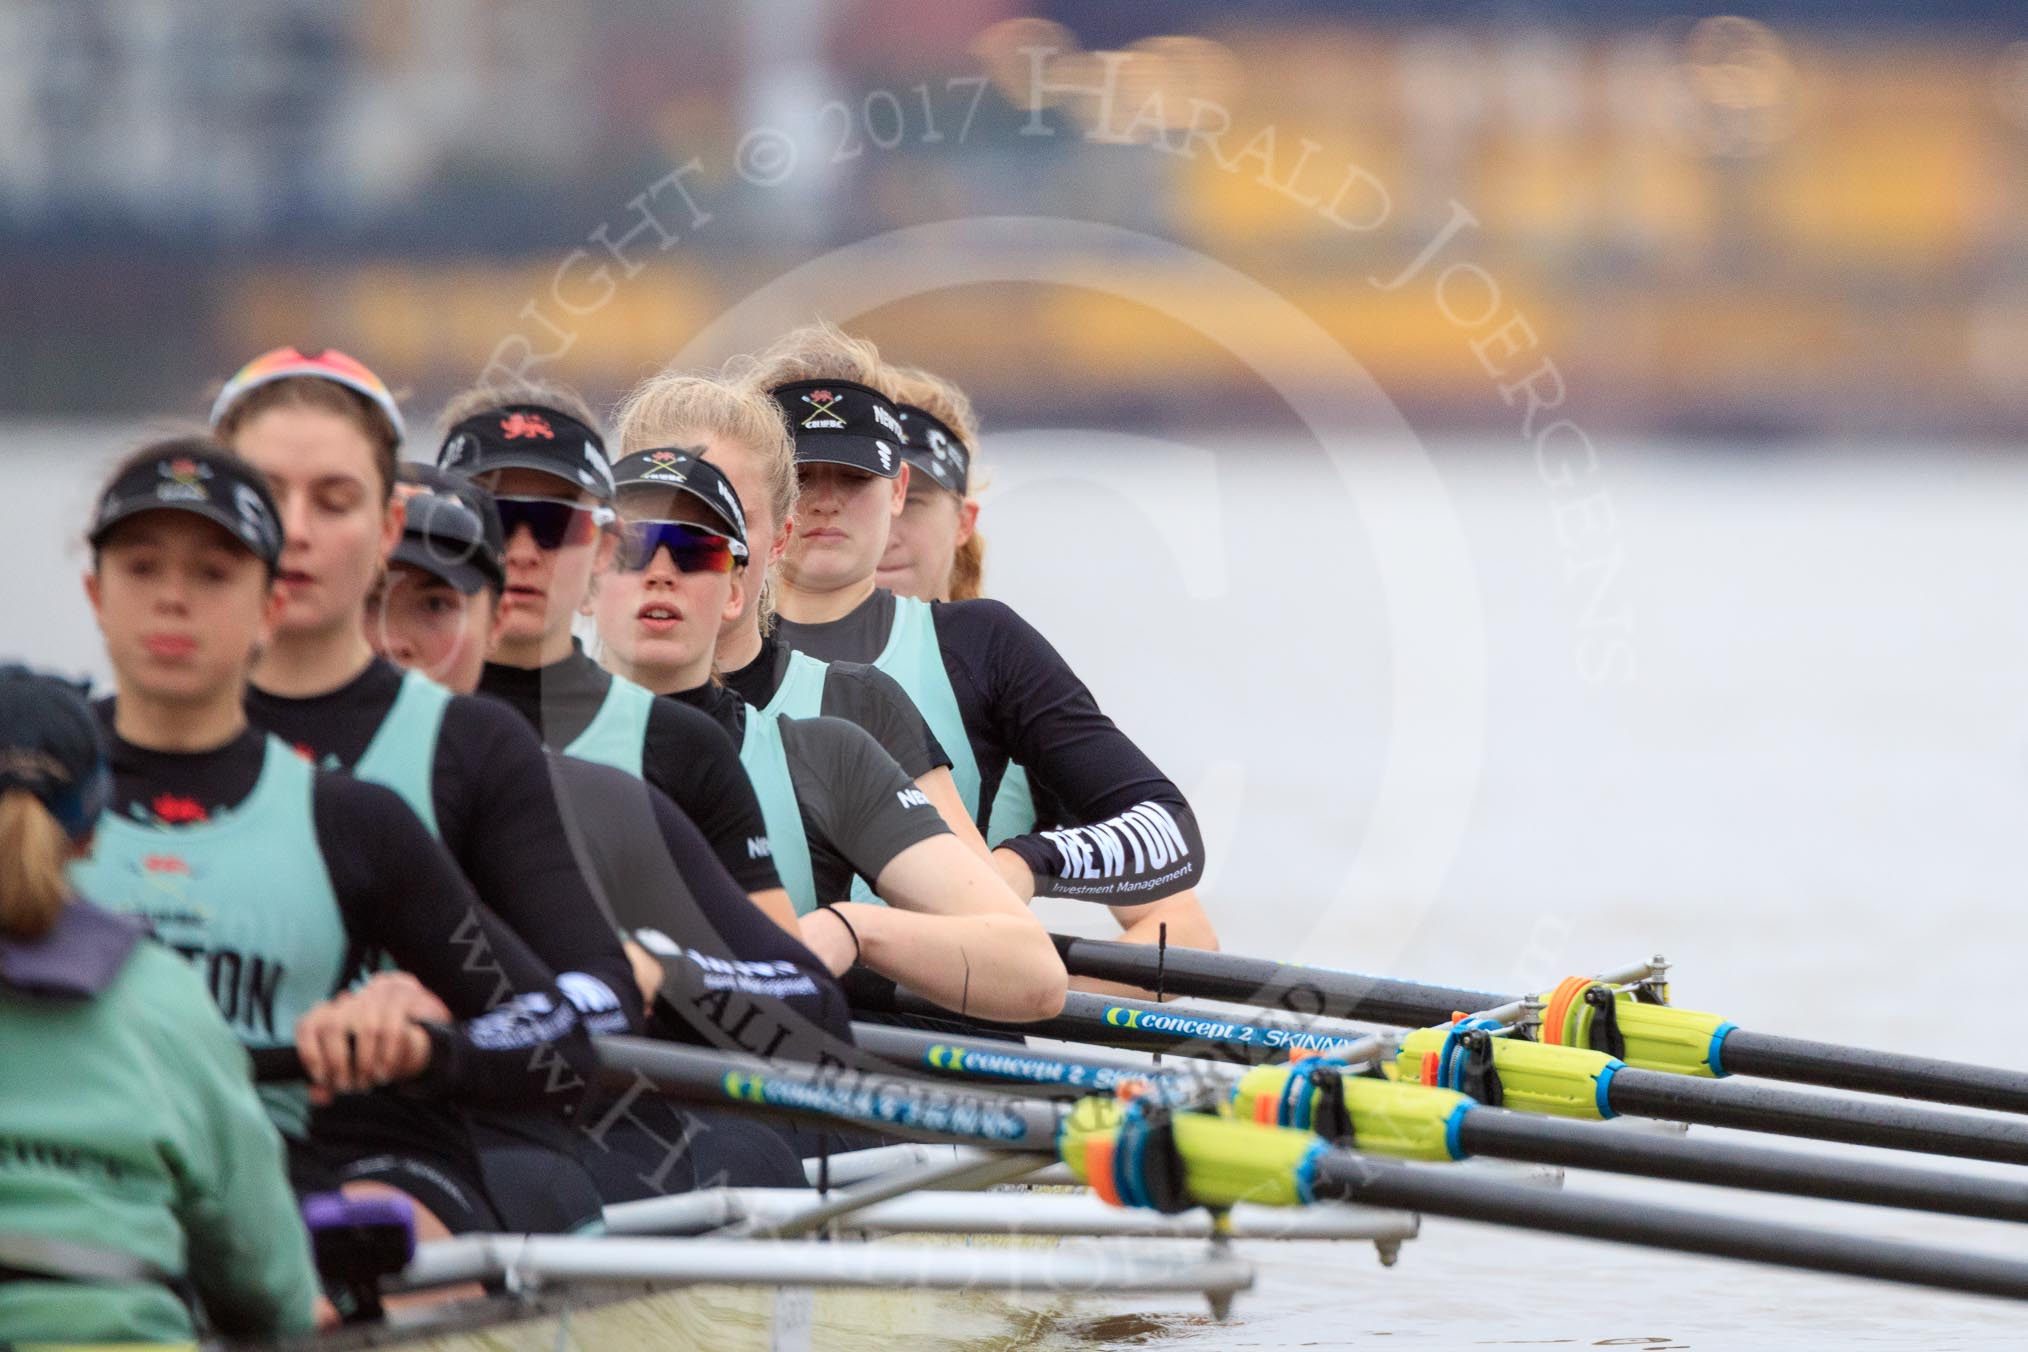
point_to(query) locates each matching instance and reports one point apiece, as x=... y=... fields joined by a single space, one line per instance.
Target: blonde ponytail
x=34 y=851
x=968 y=569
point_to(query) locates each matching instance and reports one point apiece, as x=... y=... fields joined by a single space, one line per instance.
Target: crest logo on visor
x=665 y=465
x=886 y=455
x=516 y=425
x=825 y=402
x=182 y=480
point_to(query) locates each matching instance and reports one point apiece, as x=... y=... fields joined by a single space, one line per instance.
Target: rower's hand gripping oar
x=1657 y=1036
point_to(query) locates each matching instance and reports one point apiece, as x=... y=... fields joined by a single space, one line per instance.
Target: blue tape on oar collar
x=1454 y=1127
x=1306 y=1171
x=1715 y=1058
x=1603 y=1088
x=1295 y=1096
x=1130 y=1154
x=1450 y=1058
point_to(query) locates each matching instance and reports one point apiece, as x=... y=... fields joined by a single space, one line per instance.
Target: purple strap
x=76 y=960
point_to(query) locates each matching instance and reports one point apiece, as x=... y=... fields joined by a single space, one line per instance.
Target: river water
x=1459 y=716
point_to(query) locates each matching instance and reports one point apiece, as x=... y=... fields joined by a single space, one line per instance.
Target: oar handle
x=275 y=1064
x=1308 y=991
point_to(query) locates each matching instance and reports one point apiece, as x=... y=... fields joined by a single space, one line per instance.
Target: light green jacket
x=129 y=1122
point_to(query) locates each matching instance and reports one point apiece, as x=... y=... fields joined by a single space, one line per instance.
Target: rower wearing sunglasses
x=538 y=450
x=993 y=689
x=713 y=968
x=837 y=805
x=652 y=869
x=324 y=433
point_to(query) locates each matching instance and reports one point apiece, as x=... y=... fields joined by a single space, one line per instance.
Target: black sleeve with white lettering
x=665 y=886
x=402 y=895
x=691 y=758
x=1137 y=839
x=875 y=701
x=497 y=812
x=859 y=809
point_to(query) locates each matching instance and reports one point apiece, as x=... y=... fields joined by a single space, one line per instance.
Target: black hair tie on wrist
x=840 y=916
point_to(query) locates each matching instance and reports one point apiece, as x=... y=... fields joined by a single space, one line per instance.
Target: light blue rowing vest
x=767 y=767
x=1013 y=811
x=800 y=695
x=913 y=658
x=619 y=730
x=247 y=899
x=403 y=753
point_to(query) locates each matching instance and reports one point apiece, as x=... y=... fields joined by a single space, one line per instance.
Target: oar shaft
x=986 y=1061
x=1298 y=989
x=900 y=1105
x=1754 y=1107
x=1255 y=981
x=1144 y=1026
x=1547 y=1140
x=1348 y=1177
x=1804 y=1062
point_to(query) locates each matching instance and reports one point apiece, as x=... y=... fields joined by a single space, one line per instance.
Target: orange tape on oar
x=1098 y=1168
x=1556 y=1016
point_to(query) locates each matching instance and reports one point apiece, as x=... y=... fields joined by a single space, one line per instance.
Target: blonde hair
x=484 y=398
x=34 y=850
x=819 y=351
x=938 y=397
x=680 y=408
x=951 y=406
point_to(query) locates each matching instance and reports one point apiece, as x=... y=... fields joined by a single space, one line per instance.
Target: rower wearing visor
x=538 y=451
x=713 y=969
x=138 y=1168
x=324 y=434
x=935 y=553
x=837 y=805
x=993 y=689
x=277 y=880
x=934 y=549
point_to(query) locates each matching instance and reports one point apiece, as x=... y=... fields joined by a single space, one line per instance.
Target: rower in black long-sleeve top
x=473 y=771
x=659 y=880
x=582 y=710
x=997 y=693
x=282 y=883
x=855 y=692
x=856 y=804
